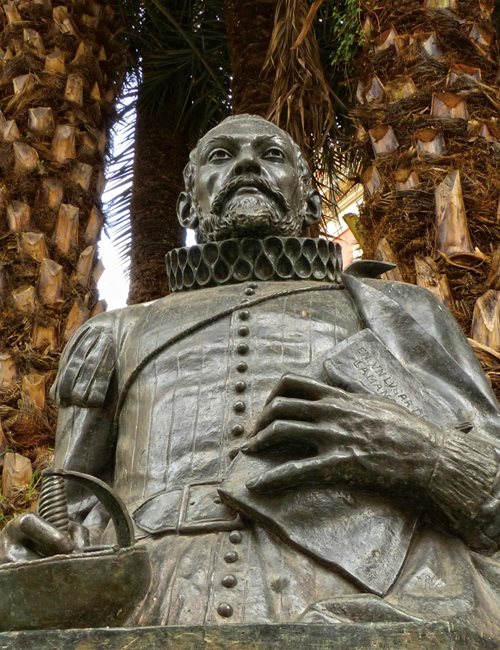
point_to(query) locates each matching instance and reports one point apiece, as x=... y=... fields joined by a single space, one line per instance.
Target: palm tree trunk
x=249 y=26
x=426 y=114
x=61 y=67
x=161 y=152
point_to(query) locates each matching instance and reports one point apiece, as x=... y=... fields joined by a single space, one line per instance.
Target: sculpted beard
x=247 y=215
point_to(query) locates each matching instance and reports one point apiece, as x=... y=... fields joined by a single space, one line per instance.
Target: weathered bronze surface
x=89 y=588
x=395 y=636
x=296 y=446
x=92 y=589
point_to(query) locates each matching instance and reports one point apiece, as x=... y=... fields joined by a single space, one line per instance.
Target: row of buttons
x=237 y=429
x=242 y=349
x=229 y=581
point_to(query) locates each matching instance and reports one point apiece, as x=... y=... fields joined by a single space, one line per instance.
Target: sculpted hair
x=302 y=166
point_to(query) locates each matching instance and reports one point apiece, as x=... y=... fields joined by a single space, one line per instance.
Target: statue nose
x=246 y=163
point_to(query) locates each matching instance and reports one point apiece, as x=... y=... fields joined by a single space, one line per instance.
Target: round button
x=252 y=285
x=231 y=556
x=240 y=386
x=239 y=407
x=233 y=453
x=243 y=330
x=229 y=581
x=242 y=367
x=244 y=301
x=249 y=291
x=242 y=348
x=235 y=537
x=244 y=314
x=224 y=609
x=237 y=430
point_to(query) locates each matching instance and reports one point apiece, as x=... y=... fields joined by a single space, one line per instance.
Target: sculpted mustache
x=254 y=181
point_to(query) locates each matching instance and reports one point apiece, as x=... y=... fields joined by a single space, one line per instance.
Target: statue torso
x=189 y=408
x=178 y=366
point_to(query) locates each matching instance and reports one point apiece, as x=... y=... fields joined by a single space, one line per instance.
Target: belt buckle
x=203 y=510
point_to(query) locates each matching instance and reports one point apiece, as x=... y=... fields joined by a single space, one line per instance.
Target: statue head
x=247 y=178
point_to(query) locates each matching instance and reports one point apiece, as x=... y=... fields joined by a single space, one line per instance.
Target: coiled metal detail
x=52 y=505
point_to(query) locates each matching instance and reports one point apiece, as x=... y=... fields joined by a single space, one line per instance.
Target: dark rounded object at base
x=94 y=589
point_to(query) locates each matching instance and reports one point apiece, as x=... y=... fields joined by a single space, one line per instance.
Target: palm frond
x=339 y=35
x=119 y=173
x=180 y=61
x=190 y=39
x=301 y=98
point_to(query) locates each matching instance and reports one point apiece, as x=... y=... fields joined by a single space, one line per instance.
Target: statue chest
x=192 y=405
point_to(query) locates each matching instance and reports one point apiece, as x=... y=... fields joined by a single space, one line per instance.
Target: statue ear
x=186 y=213
x=312 y=212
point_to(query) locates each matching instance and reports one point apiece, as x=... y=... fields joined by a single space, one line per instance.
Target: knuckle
x=277 y=403
x=278 y=426
x=289 y=380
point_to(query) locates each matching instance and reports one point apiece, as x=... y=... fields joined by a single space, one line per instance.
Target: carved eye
x=219 y=154
x=274 y=153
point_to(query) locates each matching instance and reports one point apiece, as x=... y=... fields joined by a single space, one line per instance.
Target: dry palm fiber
x=400 y=86
x=301 y=97
x=61 y=66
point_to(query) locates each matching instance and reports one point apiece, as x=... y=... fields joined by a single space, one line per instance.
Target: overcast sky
x=113 y=285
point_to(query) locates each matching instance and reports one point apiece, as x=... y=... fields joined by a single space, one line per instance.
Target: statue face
x=247 y=182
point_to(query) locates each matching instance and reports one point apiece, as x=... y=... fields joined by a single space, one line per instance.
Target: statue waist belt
x=195 y=508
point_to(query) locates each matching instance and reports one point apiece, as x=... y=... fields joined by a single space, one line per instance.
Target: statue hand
x=341 y=437
x=29 y=537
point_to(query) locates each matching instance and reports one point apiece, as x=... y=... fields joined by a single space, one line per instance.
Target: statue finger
x=45 y=539
x=291 y=436
x=285 y=476
x=297 y=386
x=285 y=408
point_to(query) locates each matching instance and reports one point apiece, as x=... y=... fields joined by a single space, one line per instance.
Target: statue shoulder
x=437 y=320
x=417 y=301
x=87 y=366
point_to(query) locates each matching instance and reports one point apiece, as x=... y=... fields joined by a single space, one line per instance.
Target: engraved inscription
x=379 y=380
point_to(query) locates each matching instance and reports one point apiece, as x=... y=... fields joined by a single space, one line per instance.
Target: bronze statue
x=295 y=444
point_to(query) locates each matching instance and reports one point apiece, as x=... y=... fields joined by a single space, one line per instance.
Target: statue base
x=397 y=636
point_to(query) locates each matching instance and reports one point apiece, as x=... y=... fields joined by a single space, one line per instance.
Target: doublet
x=157 y=398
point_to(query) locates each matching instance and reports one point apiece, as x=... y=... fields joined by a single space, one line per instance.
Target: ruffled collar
x=240 y=260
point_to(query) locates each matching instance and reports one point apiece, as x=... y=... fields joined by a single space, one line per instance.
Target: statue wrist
x=463 y=477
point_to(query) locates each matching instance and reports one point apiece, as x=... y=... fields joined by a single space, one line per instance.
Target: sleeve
x=87 y=365
x=85 y=391
x=465 y=485
x=433 y=316
x=464 y=491
x=465 y=488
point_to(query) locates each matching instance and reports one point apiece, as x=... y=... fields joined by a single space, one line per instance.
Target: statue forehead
x=250 y=126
